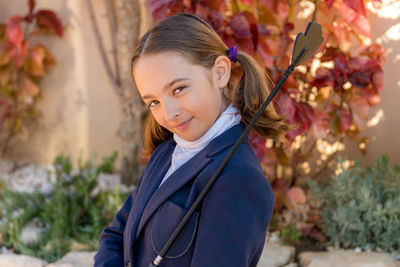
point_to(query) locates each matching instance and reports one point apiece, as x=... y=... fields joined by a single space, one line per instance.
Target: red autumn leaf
x=329 y=3
x=47 y=19
x=240 y=26
x=14 y=30
x=376 y=52
x=216 y=5
x=288 y=26
x=267 y=16
x=345 y=120
x=342 y=35
x=323 y=78
x=254 y=34
x=5 y=110
x=245 y=44
x=281 y=188
x=280 y=185
x=364 y=72
x=357 y=21
x=329 y=54
x=273 y=45
x=291 y=85
x=18 y=53
x=263 y=30
x=34 y=64
x=269 y=157
x=265 y=53
x=281 y=200
x=360 y=79
x=247 y=2
x=228 y=39
x=304 y=114
x=320 y=126
x=297 y=113
x=372 y=97
x=279 y=7
x=158 y=8
x=377 y=79
x=253 y=27
x=362 y=63
x=285 y=42
x=357 y=5
x=359 y=109
x=31 y=5
x=257 y=142
x=340 y=63
x=175 y=8
x=28 y=89
x=296 y=195
x=217 y=20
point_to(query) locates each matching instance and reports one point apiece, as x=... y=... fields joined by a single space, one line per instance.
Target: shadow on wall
x=384 y=122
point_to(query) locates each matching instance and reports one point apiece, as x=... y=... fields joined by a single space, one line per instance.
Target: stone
x=275 y=255
x=76 y=246
x=15 y=260
x=75 y=259
x=348 y=258
x=31 y=233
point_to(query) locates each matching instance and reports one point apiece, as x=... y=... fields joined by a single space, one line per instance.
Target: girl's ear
x=221 y=71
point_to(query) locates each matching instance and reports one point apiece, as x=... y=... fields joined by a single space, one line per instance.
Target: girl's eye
x=153 y=103
x=179 y=89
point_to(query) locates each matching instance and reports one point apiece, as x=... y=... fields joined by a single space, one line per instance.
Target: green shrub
x=71 y=210
x=289 y=235
x=361 y=206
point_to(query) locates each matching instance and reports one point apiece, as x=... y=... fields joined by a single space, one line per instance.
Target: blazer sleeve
x=111 y=243
x=233 y=220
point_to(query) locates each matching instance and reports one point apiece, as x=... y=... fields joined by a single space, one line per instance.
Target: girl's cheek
x=158 y=119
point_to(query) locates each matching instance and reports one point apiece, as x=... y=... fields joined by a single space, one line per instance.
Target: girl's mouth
x=184 y=125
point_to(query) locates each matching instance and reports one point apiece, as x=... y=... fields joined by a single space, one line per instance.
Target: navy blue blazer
x=227 y=229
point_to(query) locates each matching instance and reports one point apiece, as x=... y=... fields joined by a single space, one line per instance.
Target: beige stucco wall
x=81 y=112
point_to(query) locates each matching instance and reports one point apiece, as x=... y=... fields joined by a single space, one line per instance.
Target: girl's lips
x=183 y=125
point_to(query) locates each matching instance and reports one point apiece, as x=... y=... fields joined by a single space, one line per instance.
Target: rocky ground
x=24 y=178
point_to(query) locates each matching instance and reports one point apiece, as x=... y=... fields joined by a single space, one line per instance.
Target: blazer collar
x=186 y=172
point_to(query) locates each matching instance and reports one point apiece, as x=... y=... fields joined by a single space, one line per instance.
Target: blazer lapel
x=175 y=181
x=150 y=182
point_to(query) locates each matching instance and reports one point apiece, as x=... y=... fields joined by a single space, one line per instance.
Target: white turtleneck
x=185 y=150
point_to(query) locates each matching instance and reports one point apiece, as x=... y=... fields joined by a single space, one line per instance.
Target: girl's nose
x=171 y=111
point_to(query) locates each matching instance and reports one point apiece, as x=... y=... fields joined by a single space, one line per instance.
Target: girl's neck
x=228 y=118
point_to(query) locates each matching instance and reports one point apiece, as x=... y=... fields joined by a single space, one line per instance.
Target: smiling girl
x=182 y=70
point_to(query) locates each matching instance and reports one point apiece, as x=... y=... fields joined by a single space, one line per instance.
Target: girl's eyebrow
x=167 y=86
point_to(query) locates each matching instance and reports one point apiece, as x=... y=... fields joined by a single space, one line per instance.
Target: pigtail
x=250 y=94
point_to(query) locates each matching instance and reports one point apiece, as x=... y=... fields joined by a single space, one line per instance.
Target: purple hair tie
x=232 y=53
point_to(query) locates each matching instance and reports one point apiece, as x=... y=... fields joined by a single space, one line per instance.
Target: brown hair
x=193 y=37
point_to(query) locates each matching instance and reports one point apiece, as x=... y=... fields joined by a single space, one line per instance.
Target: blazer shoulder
x=245 y=160
x=244 y=170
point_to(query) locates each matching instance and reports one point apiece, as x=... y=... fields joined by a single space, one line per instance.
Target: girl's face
x=184 y=98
